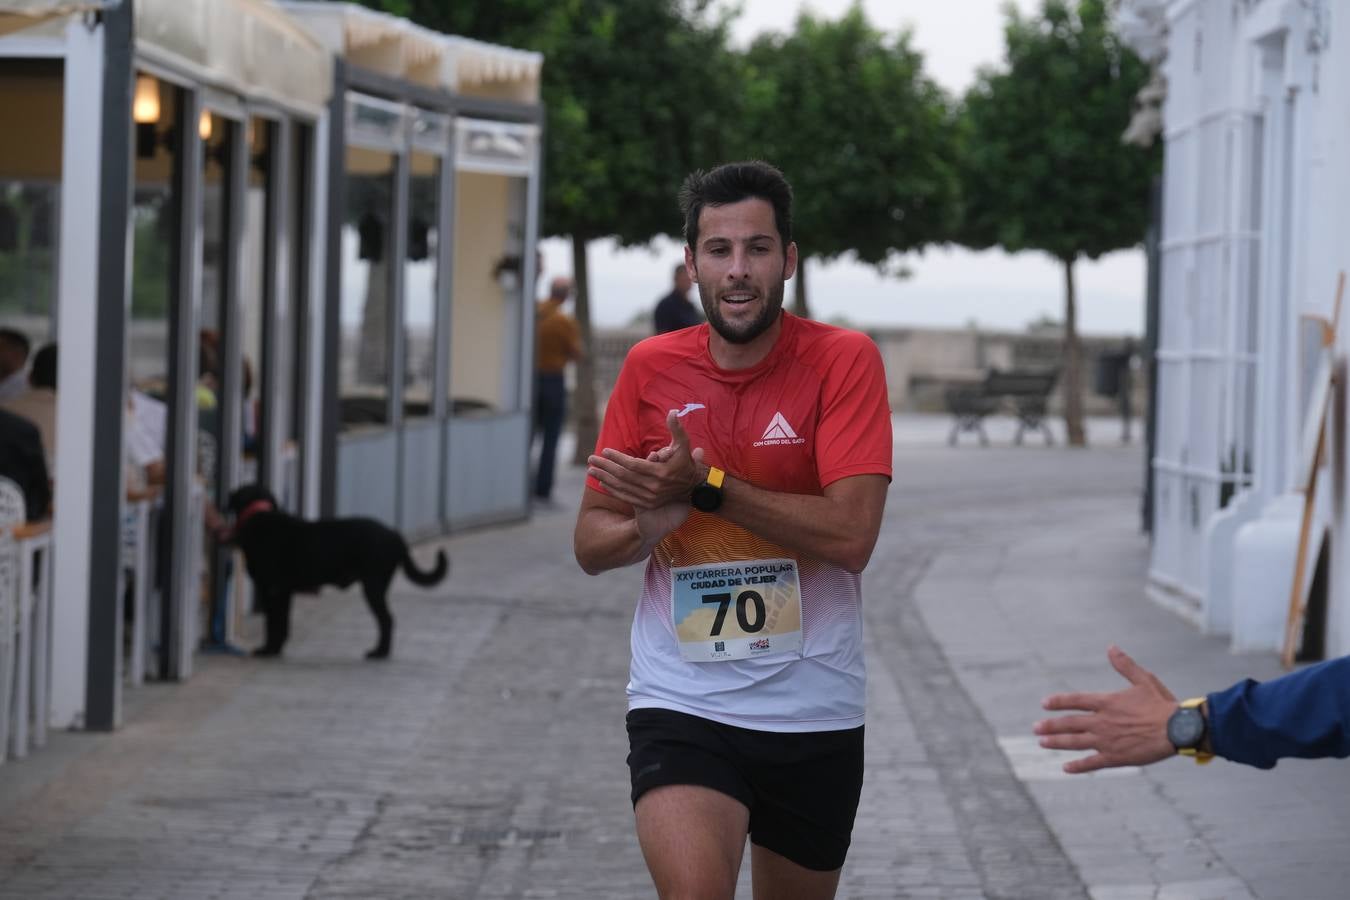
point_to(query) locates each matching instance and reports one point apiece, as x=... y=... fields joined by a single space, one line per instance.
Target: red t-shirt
x=813 y=411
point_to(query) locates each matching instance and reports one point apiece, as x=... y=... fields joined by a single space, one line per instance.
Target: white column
x=77 y=336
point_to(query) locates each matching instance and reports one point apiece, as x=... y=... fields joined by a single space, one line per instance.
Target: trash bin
x=1109 y=366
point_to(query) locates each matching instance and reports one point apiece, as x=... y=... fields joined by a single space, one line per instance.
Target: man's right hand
x=663 y=477
x=1127 y=727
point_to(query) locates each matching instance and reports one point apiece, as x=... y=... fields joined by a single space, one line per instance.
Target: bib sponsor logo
x=759 y=645
x=779 y=432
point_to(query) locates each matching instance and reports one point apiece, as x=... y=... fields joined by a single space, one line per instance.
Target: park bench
x=1024 y=394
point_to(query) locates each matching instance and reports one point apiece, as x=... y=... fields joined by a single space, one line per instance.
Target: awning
x=16 y=15
x=247 y=47
x=396 y=47
x=476 y=62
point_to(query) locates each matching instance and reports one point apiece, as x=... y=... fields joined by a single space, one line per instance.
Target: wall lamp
x=146 y=111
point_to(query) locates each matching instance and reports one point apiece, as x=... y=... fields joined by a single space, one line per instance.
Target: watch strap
x=707 y=494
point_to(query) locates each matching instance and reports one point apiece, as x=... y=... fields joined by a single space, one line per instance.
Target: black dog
x=286 y=555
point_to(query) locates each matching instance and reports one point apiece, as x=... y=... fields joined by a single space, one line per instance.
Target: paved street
x=486 y=759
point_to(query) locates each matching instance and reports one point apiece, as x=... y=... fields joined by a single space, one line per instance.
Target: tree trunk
x=584 y=419
x=799 y=307
x=1072 y=378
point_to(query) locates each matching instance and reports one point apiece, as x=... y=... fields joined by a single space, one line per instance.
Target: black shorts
x=801 y=788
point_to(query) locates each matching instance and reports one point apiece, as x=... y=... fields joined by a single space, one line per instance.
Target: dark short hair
x=42 y=373
x=16 y=339
x=732 y=183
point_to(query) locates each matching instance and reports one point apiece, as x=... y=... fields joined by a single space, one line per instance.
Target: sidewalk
x=1032 y=567
x=486 y=759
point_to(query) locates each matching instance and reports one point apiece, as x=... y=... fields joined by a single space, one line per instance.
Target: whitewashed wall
x=1256 y=181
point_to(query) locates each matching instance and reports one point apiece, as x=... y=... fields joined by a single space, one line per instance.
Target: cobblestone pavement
x=486 y=759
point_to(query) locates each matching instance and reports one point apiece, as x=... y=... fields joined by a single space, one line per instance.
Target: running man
x=747 y=460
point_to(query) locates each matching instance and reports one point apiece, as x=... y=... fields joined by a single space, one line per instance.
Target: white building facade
x=1256 y=181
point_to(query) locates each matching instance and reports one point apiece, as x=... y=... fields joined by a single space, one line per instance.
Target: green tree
x=862 y=133
x=637 y=95
x=1043 y=164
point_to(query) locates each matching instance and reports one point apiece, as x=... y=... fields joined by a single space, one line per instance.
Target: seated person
x=23 y=462
x=37 y=404
x=145 y=424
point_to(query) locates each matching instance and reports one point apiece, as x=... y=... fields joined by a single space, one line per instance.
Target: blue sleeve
x=1304 y=714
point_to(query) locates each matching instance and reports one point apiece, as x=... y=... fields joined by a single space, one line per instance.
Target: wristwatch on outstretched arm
x=1188 y=730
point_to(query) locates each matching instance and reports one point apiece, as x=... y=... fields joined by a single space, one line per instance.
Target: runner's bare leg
x=693 y=839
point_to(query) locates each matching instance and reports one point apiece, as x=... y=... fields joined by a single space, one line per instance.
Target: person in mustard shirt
x=746 y=462
x=557 y=342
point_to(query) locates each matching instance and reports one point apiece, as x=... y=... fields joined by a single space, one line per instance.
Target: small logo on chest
x=779 y=432
x=688 y=408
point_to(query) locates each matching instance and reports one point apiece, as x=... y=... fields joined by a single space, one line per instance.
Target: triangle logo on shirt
x=778 y=428
x=779 y=432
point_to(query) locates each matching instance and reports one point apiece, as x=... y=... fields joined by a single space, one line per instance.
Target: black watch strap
x=707 y=497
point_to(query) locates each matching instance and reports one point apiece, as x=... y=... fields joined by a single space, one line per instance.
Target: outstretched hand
x=664 y=477
x=1126 y=728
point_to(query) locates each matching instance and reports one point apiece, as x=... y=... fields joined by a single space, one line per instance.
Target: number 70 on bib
x=737 y=610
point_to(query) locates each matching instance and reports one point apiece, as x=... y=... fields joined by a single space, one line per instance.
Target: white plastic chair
x=138 y=554
x=25 y=573
x=33 y=686
x=12 y=509
x=13 y=646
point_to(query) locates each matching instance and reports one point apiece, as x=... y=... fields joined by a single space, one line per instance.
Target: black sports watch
x=707 y=497
x=1186 y=728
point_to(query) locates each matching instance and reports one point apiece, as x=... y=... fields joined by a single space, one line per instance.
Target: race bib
x=737 y=610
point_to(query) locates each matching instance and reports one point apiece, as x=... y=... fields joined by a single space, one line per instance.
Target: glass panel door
x=213 y=362
x=420 y=283
x=489 y=296
x=363 y=356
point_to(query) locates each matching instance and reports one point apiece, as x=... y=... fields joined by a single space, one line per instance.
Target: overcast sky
x=949 y=287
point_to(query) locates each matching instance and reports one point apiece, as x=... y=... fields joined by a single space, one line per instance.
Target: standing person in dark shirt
x=675 y=310
x=23 y=462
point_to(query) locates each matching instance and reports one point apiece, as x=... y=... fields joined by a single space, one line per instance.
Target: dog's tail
x=425 y=579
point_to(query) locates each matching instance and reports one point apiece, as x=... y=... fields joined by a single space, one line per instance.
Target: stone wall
x=921 y=363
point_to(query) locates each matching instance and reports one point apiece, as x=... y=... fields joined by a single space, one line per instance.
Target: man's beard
x=738 y=333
